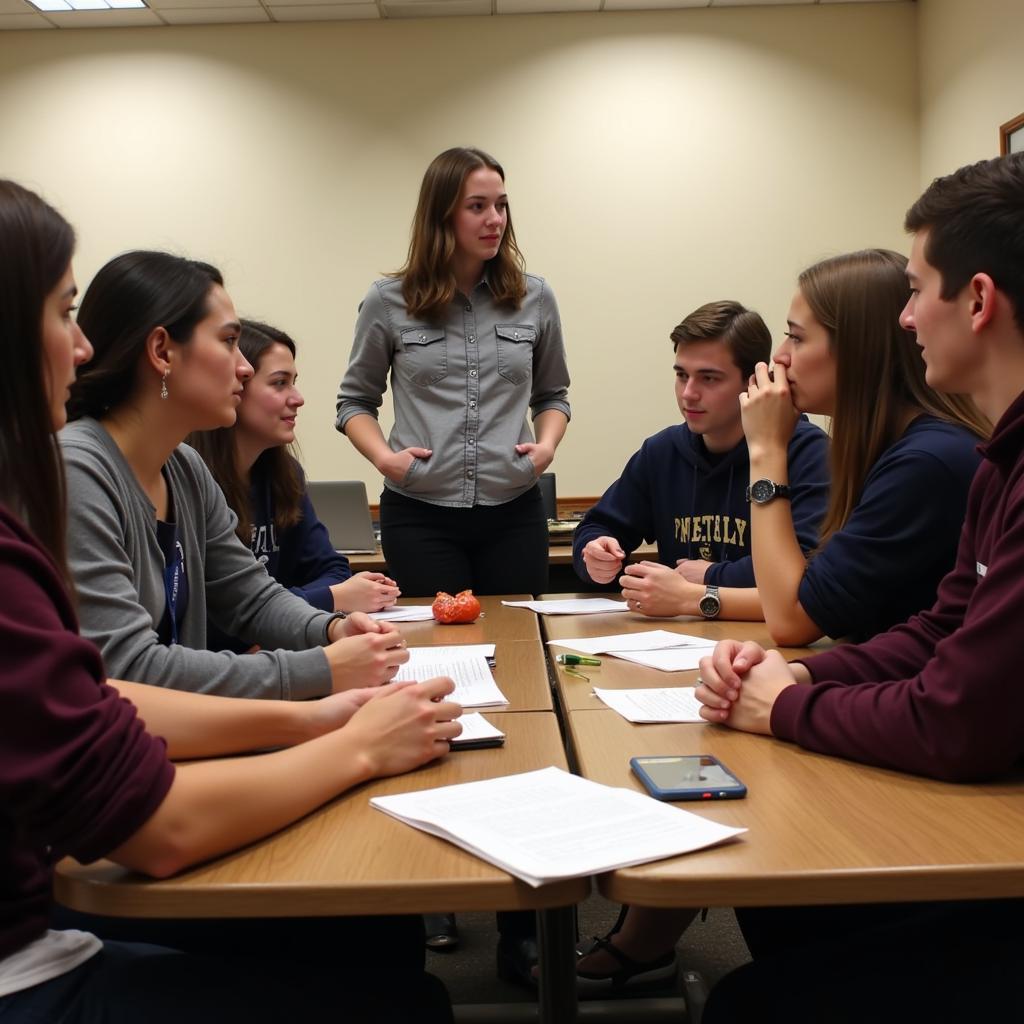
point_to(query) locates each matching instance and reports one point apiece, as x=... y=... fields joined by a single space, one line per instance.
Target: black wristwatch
x=760 y=492
x=710 y=604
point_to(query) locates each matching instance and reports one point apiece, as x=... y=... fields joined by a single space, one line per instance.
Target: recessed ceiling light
x=85 y=5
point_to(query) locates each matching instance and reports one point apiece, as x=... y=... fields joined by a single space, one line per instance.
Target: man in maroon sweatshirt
x=940 y=695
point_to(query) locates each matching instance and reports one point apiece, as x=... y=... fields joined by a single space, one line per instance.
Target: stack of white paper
x=655 y=648
x=467 y=666
x=668 y=704
x=546 y=825
x=571 y=606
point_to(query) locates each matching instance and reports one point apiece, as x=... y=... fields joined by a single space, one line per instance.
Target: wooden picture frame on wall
x=1011 y=136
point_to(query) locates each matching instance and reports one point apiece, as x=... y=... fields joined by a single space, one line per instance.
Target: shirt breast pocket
x=515 y=351
x=423 y=357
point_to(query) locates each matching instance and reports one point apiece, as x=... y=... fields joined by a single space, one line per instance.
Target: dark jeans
x=884 y=963
x=317 y=968
x=126 y=983
x=489 y=549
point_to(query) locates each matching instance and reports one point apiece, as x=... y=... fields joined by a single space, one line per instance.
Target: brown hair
x=217 y=447
x=428 y=282
x=858 y=298
x=36 y=244
x=975 y=223
x=742 y=329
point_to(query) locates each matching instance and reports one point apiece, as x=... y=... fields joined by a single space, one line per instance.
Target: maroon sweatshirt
x=79 y=774
x=943 y=694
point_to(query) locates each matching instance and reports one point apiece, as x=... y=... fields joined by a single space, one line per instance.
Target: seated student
x=152 y=543
x=686 y=486
x=266 y=489
x=938 y=696
x=884 y=546
x=81 y=776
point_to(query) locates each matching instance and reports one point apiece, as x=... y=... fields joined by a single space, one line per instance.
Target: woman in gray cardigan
x=151 y=542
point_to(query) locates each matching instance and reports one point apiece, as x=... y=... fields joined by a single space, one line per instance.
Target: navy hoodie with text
x=692 y=503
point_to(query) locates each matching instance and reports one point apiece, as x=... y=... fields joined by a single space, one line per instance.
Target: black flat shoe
x=631 y=977
x=516 y=960
x=442 y=932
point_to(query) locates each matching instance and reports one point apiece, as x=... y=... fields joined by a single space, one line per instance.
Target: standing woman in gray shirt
x=471 y=342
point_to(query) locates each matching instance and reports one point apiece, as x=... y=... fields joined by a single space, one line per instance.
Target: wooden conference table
x=820 y=830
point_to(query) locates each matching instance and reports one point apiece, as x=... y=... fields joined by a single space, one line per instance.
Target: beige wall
x=972 y=79
x=655 y=161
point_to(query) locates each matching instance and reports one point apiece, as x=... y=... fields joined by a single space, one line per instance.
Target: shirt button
x=516 y=335
x=469 y=473
x=471 y=441
x=472 y=405
x=469 y=309
x=423 y=337
x=472 y=373
x=471 y=339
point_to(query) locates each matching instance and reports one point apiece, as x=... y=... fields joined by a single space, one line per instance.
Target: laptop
x=342 y=507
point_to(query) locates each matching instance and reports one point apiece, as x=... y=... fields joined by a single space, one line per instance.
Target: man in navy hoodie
x=940 y=695
x=685 y=489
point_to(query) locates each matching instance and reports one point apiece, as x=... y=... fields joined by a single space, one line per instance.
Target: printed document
x=649 y=640
x=467 y=666
x=668 y=704
x=546 y=825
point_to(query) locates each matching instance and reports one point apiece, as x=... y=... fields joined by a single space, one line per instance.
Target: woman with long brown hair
x=470 y=343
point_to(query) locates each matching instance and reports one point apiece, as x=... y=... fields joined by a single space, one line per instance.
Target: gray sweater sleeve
x=117 y=567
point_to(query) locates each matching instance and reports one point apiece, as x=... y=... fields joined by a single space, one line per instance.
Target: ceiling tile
x=22 y=21
x=650 y=5
x=214 y=15
x=545 y=6
x=164 y=5
x=757 y=3
x=103 y=19
x=436 y=8
x=324 y=12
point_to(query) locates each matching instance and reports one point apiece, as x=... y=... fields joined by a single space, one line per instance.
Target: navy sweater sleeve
x=885 y=564
x=624 y=512
x=808 y=472
x=308 y=563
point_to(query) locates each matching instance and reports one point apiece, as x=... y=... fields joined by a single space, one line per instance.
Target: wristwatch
x=760 y=492
x=710 y=604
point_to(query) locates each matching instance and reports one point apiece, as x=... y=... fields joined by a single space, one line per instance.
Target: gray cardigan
x=117 y=567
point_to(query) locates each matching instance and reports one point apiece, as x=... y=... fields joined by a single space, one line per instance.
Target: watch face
x=762 y=491
x=709 y=606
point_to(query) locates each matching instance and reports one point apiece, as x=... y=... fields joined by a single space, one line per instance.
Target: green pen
x=576 y=659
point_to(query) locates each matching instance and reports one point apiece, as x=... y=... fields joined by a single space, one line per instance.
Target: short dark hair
x=36 y=245
x=129 y=297
x=743 y=330
x=975 y=223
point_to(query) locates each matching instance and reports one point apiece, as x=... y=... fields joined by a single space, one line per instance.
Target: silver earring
x=163 y=385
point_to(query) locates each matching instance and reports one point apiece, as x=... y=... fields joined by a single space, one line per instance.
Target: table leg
x=556 y=938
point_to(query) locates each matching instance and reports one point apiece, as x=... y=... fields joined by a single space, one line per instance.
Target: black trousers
x=489 y=549
x=884 y=963
x=250 y=971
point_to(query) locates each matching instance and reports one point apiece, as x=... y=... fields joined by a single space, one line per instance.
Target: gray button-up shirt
x=461 y=388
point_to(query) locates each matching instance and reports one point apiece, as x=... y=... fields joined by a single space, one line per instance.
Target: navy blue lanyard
x=172 y=587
